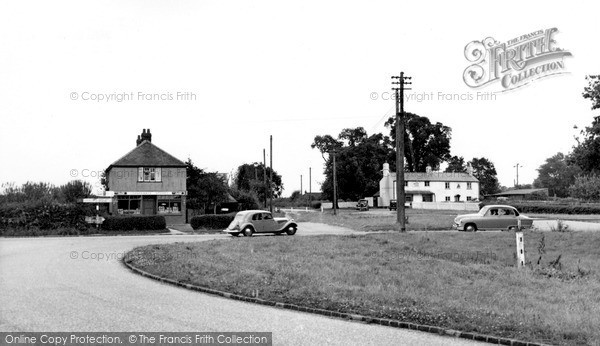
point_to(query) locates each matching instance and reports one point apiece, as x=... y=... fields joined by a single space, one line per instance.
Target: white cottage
x=435 y=188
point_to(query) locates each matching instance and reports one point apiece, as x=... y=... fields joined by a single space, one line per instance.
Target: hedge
x=548 y=208
x=43 y=216
x=211 y=221
x=134 y=223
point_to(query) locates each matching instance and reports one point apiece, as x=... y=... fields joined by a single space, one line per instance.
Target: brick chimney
x=145 y=136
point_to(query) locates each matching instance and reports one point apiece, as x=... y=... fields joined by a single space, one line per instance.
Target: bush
x=134 y=223
x=212 y=221
x=43 y=216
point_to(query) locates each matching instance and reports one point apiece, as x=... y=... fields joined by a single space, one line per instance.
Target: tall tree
x=249 y=177
x=592 y=90
x=485 y=172
x=359 y=159
x=586 y=153
x=426 y=144
x=556 y=174
x=205 y=189
x=456 y=164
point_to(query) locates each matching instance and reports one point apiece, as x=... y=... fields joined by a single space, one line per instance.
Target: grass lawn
x=464 y=281
x=383 y=219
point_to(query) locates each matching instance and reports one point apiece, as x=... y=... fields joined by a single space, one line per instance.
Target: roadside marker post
x=520 y=246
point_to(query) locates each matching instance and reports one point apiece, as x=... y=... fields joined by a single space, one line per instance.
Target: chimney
x=138 y=141
x=469 y=168
x=145 y=136
x=428 y=169
x=386 y=169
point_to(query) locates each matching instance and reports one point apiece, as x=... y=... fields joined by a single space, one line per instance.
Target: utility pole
x=309 y=186
x=300 y=184
x=265 y=175
x=401 y=81
x=334 y=186
x=517 y=166
x=271 y=175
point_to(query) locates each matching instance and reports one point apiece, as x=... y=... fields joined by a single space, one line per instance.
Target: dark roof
x=147 y=154
x=437 y=176
x=521 y=192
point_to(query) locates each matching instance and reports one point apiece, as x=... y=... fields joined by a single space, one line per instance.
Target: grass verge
x=383 y=219
x=457 y=280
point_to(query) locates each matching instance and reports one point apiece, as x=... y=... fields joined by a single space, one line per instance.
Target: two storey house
x=429 y=187
x=148 y=181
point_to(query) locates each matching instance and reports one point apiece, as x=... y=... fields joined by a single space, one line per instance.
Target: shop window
x=169 y=204
x=129 y=204
x=427 y=198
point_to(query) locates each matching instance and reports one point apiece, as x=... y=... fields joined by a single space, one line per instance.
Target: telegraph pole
x=334 y=186
x=401 y=81
x=300 y=184
x=265 y=175
x=309 y=186
x=517 y=166
x=271 y=175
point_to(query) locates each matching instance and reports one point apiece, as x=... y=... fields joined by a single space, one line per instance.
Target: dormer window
x=151 y=174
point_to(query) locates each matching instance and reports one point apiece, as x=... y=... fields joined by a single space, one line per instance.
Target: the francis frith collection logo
x=516 y=62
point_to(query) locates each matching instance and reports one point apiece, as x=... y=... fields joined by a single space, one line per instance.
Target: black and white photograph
x=299 y=173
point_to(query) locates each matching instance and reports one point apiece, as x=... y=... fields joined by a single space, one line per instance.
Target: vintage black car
x=248 y=222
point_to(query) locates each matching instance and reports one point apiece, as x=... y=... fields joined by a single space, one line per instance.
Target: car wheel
x=291 y=230
x=470 y=227
x=248 y=231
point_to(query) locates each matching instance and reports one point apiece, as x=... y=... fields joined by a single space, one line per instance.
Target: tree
x=426 y=144
x=586 y=154
x=74 y=190
x=485 y=172
x=456 y=164
x=359 y=159
x=205 y=189
x=250 y=177
x=592 y=90
x=556 y=174
x=586 y=187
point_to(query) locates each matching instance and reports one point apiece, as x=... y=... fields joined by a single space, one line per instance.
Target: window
x=129 y=204
x=149 y=174
x=406 y=183
x=408 y=198
x=447 y=186
x=458 y=186
x=169 y=204
x=447 y=198
x=468 y=198
x=428 y=198
x=426 y=183
x=468 y=186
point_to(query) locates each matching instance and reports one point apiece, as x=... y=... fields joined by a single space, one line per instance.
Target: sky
x=214 y=79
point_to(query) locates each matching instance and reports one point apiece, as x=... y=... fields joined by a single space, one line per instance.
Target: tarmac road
x=80 y=284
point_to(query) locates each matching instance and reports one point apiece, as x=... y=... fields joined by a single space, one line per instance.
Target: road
x=80 y=284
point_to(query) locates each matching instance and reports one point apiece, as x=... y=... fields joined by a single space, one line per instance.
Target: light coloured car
x=492 y=217
x=248 y=222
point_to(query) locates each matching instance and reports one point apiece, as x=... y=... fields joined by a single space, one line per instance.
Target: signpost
x=520 y=246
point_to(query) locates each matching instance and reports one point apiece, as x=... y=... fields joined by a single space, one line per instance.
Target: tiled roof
x=437 y=176
x=148 y=154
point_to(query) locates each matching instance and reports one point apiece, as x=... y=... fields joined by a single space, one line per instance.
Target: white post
x=520 y=246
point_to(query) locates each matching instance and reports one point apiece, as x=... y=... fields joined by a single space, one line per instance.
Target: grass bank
x=457 y=280
x=383 y=219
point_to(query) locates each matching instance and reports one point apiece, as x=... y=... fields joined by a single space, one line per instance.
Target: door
x=269 y=224
x=149 y=206
x=506 y=218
